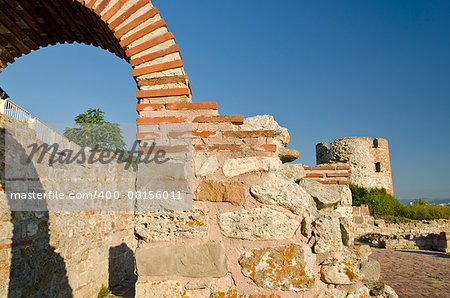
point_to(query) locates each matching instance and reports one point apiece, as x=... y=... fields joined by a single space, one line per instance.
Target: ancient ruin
x=259 y=227
x=424 y=235
x=368 y=160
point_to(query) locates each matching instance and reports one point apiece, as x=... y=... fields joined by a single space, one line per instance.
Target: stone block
x=289 y=268
x=339 y=273
x=267 y=122
x=347 y=230
x=359 y=292
x=370 y=270
x=284 y=193
x=165 y=288
x=327 y=231
x=205 y=165
x=389 y=292
x=357 y=254
x=332 y=293
x=213 y=191
x=288 y=155
x=164 y=226
x=257 y=224
x=307 y=227
x=238 y=166
x=237 y=294
x=294 y=172
x=197 y=261
x=376 y=288
x=323 y=195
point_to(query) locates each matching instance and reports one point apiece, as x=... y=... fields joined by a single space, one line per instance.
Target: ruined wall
x=258 y=226
x=367 y=224
x=425 y=234
x=61 y=253
x=368 y=159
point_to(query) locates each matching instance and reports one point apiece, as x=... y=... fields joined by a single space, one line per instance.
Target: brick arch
x=131 y=29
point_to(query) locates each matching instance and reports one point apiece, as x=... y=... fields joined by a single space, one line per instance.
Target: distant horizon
x=430 y=200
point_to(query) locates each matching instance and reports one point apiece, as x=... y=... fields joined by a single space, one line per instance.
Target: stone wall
x=61 y=253
x=426 y=234
x=363 y=220
x=258 y=226
x=368 y=159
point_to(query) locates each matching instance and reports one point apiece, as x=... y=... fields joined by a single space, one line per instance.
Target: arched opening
x=75 y=253
x=30 y=25
x=132 y=30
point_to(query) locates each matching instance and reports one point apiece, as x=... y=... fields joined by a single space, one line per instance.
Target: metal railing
x=43 y=132
x=11 y=109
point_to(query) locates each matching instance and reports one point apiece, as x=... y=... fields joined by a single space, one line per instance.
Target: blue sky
x=324 y=69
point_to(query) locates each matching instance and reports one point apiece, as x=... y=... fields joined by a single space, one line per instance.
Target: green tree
x=93 y=131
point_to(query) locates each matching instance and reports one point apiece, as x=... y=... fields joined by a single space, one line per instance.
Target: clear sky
x=324 y=69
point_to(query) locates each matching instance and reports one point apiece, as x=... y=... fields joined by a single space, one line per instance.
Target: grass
x=435 y=277
x=104 y=291
x=385 y=206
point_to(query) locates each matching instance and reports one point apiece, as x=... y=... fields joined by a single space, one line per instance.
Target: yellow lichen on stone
x=286 y=267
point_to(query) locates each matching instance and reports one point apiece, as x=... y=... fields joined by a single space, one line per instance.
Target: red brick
x=266 y=147
x=344 y=182
x=343 y=167
x=338 y=174
x=238 y=119
x=318 y=168
x=112 y=11
x=149 y=120
x=154 y=55
x=162 y=92
x=204 y=134
x=249 y=134
x=224 y=147
x=149 y=44
x=90 y=4
x=178 y=134
x=314 y=175
x=127 y=14
x=328 y=182
x=136 y=22
x=192 y=106
x=141 y=33
x=99 y=9
x=162 y=81
x=147 y=135
x=157 y=68
x=149 y=106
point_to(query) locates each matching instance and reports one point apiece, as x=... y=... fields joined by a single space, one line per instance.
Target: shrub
x=383 y=205
x=104 y=291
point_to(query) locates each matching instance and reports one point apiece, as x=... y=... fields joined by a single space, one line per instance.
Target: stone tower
x=368 y=159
